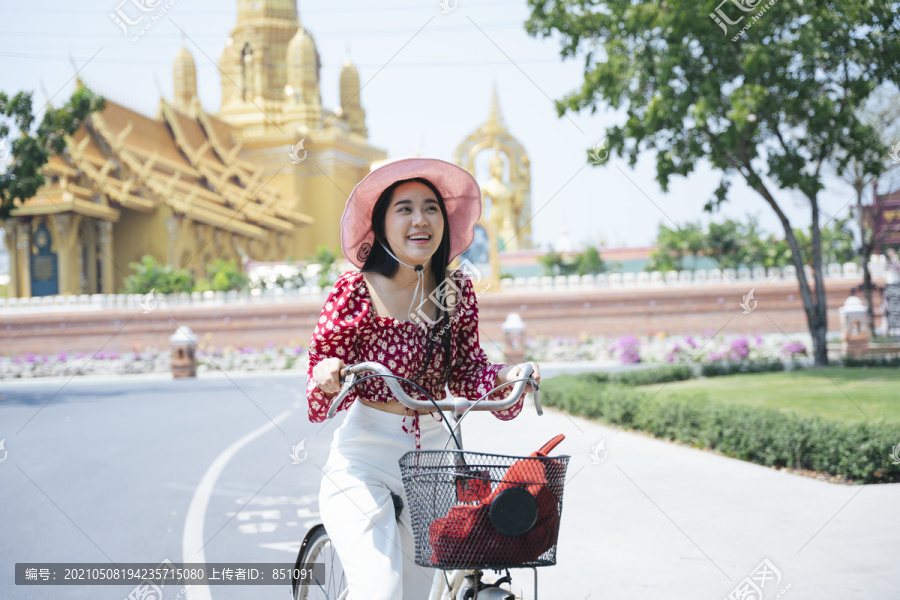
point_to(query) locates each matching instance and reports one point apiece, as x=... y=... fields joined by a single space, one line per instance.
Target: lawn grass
x=836 y=393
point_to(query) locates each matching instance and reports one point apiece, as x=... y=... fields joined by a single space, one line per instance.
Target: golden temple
x=265 y=178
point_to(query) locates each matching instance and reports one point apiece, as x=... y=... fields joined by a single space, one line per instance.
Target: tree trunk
x=816 y=317
x=820 y=342
x=865 y=252
x=815 y=311
x=818 y=325
x=867 y=289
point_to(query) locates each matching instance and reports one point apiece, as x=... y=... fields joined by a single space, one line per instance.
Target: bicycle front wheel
x=333 y=586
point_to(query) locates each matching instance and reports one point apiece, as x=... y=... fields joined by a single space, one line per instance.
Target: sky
x=426 y=79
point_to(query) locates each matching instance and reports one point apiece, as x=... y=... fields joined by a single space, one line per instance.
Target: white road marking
x=278 y=500
x=264 y=527
x=192 y=541
x=292 y=547
x=262 y=514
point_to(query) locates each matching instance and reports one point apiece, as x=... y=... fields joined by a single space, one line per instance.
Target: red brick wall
x=568 y=313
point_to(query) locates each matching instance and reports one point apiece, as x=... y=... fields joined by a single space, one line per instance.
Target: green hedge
x=597 y=376
x=859 y=451
x=653 y=375
x=646 y=376
x=669 y=373
x=871 y=361
x=716 y=369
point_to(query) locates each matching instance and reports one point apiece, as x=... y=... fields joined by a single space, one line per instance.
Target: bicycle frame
x=460 y=407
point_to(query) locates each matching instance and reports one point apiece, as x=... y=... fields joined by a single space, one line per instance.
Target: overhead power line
x=350 y=34
x=418 y=65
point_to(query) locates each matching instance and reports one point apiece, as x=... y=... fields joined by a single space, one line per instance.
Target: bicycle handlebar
x=457 y=405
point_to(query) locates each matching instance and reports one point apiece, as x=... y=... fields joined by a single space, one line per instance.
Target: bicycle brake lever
x=347 y=383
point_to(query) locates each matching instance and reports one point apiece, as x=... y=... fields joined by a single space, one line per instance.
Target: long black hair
x=379 y=261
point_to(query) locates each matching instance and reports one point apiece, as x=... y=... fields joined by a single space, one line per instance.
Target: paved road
x=107 y=471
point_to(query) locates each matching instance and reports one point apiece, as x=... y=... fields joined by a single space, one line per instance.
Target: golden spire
x=303 y=68
x=253 y=64
x=351 y=104
x=185 y=72
x=494 y=125
x=304 y=98
x=349 y=84
x=255 y=10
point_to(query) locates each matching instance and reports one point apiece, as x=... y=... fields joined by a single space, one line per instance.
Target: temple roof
x=189 y=163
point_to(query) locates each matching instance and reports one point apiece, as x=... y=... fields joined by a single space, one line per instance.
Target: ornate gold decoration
x=507 y=221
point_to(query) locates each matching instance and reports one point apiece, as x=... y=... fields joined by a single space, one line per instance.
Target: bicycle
x=509 y=506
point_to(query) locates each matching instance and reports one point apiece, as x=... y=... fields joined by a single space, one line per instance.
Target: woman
x=402 y=226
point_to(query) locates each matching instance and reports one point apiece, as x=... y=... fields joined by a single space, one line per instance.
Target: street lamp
x=514 y=334
x=184 y=357
x=854 y=332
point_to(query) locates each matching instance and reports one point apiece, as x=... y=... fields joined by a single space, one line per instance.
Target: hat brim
x=458 y=189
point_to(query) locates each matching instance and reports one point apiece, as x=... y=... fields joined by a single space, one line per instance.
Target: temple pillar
x=23 y=256
x=65 y=231
x=91 y=252
x=9 y=228
x=106 y=263
x=81 y=274
x=172 y=248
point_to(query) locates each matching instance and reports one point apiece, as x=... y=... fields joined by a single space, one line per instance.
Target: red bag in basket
x=466 y=535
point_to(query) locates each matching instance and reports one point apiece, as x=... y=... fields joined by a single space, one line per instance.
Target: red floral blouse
x=351 y=330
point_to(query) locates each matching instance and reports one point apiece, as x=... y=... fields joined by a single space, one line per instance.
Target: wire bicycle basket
x=472 y=510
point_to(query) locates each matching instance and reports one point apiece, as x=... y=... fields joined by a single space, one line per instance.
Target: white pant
x=377 y=552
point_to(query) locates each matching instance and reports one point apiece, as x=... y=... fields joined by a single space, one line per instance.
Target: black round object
x=514 y=511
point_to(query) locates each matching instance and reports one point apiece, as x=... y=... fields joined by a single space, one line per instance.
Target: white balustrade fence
x=159 y=302
x=317 y=295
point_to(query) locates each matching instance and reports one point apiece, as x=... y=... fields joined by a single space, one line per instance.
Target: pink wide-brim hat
x=459 y=190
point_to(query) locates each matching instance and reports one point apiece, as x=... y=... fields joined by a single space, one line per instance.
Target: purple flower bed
x=660 y=348
x=794 y=349
x=629 y=349
x=111 y=362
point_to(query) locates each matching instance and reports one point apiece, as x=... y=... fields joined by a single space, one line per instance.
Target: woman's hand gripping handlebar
x=350 y=376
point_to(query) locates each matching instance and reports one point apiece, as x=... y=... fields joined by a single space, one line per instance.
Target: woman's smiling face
x=414 y=224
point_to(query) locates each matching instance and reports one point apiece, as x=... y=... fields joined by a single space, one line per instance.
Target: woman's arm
x=473 y=375
x=327 y=375
x=334 y=344
x=514 y=372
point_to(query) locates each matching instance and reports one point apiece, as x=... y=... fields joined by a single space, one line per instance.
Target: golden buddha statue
x=505 y=203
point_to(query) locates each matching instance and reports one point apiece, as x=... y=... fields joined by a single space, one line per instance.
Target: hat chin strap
x=420 y=278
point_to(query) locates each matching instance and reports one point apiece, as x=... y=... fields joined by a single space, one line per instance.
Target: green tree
x=32 y=150
x=225 y=275
x=732 y=244
x=151 y=276
x=771 y=105
x=585 y=262
x=674 y=245
x=837 y=242
x=554 y=263
x=326 y=258
x=729 y=242
x=757 y=248
x=589 y=262
x=668 y=253
x=773 y=252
